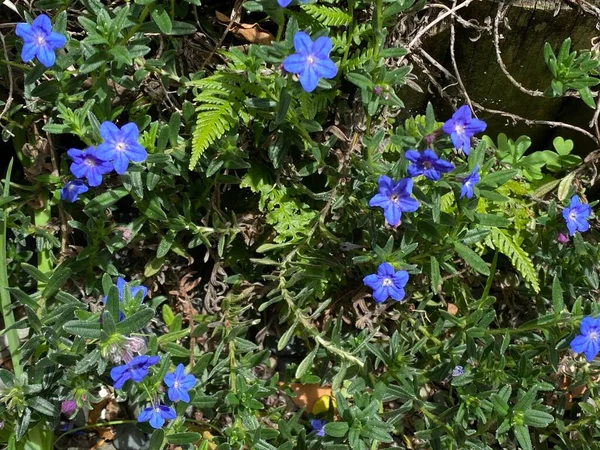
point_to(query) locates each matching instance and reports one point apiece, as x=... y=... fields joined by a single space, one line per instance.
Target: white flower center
x=120 y=146
x=176 y=385
x=71 y=187
x=593 y=336
x=460 y=129
x=157 y=410
x=468 y=183
x=394 y=198
x=41 y=40
x=387 y=282
x=310 y=60
x=90 y=162
x=572 y=215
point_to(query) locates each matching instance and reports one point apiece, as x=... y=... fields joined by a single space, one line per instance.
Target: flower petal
x=136 y=153
x=380 y=294
x=412 y=155
x=295 y=63
x=24 y=31
x=587 y=324
x=309 y=79
x=385 y=270
x=404 y=186
x=46 y=56
x=475 y=126
x=408 y=204
x=130 y=132
x=443 y=166
x=396 y=293
x=462 y=114
x=379 y=200
x=156 y=420
x=29 y=51
x=146 y=415
x=414 y=171
x=169 y=379
x=431 y=174
x=167 y=413
x=325 y=68
x=56 y=41
x=43 y=23
x=303 y=43
x=392 y=214
x=110 y=132
x=386 y=184
x=284 y=3
x=400 y=278
x=591 y=350
x=322 y=47
x=373 y=281
x=120 y=163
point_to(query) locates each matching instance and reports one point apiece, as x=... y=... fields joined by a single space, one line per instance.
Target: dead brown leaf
x=252 y=33
x=452 y=309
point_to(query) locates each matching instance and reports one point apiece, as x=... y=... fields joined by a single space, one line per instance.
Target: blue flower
x=387 y=283
x=179 y=384
x=461 y=128
x=39 y=40
x=458 y=371
x=135 y=370
x=72 y=189
x=311 y=60
x=588 y=342
x=318 y=426
x=428 y=164
x=284 y=3
x=394 y=199
x=86 y=164
x=157 y=415
x=466 y=190
x=133 y=290
x=576 y=216
x=120 y=145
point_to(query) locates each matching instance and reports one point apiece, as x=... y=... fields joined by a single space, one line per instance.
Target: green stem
x=379 y=25
x=350 y=34
x=490 y=279
x=5 y=303
x=41 y=217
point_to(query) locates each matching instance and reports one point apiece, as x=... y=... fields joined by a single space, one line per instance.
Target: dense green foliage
x=250 y=226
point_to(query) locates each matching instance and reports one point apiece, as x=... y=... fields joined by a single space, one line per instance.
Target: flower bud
x=68 y=407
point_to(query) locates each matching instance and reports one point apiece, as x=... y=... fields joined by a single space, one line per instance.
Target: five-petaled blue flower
x=318 y=426
x=428 y=164
x=179 y=384
x=87 y=164
x=394 y=199
x=462 y=127
x=120 y=145
x=576 y=215
x=387 y=283
x=135 y=370
x=39 y=40
x=156 y=415
x=458 y=371
x=311 y=60
x=588 y=342
x=71 y=190
x=133 y=290
x=284 y=3
x=466 y=190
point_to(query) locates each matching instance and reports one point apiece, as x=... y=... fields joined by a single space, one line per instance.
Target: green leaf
x=522 y=435
x=498 y=178
x=105 y=200
x=500 y=405
x=157 y=441
x=285 y=98
x=86 y=329
x=359 y=80
x=558 y=302
x=35 y=273
x=435 y=276
x=586 y=96
x=43 y=406
x=336 y=429
x=538 y=419
x=285 y=338
x=472 y=258
x=59 y=277
x=306 y=363
x=183 y=438
x=136 y=321
x=161 y=18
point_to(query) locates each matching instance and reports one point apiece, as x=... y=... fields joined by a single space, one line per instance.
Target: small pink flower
x=68 y=407
x=562 y=238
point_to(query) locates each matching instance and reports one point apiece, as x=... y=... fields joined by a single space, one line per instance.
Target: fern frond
x=328 y=16
x=498 y=239
x=360 y=59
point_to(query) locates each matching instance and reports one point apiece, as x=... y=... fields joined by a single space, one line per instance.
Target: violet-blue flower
x=285 y=3
x=458 y=371
x=318 y=426
x=156 y=415
x=427 y=164
x=466 y=190
x=39 y=40
x=120 y=145
x=86 y=164
x=588 y=341
x=394 y=198
x=179 y=384
x=576 y=215
x=387 y=283
x=462 y=127
x=135 y=370
x=71 y=190
x=311 y=60
x=133 y=290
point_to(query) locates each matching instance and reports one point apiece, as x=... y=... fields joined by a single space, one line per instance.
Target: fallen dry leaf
x=452 y=309
x=308 y=394
x=252 y=33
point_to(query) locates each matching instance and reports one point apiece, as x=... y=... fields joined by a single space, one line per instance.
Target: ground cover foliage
x=226 y=230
